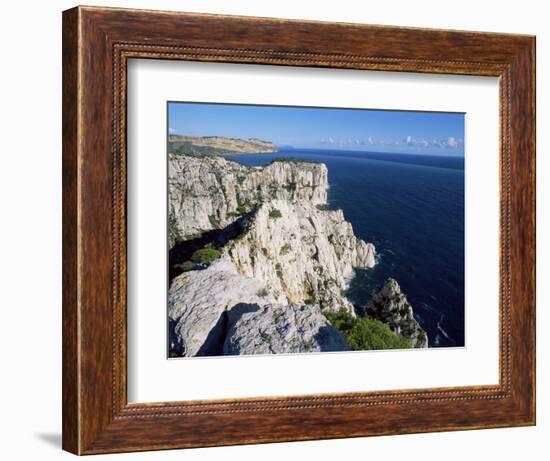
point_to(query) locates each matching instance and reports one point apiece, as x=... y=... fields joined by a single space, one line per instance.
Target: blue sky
x=321 y=128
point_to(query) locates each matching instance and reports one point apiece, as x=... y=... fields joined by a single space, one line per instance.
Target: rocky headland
x=218 y=145
x=390 y=305
x=258 y=261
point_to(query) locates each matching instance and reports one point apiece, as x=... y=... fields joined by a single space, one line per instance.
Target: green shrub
x=173 y=229
x=364 y=333
x=206 y=255
x=285 y=249
x=275 y=213
x=279 y=270
x=186 y=266
x=243 y=205
x=214 y=221
x=262 y=293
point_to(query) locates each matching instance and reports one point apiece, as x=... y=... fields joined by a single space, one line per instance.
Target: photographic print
x=309 y=229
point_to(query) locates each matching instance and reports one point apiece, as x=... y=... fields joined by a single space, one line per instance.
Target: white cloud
x=452 y=142
x=171 y=130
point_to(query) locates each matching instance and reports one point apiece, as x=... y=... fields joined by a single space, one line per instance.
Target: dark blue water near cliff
x=412 y=208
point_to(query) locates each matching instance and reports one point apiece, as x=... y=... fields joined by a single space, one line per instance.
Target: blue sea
x=412 y=208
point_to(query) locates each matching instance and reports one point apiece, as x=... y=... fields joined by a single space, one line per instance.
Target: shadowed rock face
x=391 y=306
x=198 y=299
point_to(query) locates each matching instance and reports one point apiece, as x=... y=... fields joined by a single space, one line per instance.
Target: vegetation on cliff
x=206 y=255
x=363 y=333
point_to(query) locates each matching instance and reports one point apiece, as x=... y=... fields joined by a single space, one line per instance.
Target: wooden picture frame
x=97 y=43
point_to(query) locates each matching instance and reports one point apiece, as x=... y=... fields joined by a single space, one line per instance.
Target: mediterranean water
x=412 y=208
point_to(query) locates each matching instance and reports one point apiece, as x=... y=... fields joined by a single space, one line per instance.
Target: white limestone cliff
x=303 y=254
x=285 y=259
x=210 y=192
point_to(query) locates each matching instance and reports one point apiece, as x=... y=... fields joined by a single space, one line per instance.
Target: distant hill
x=218 y=145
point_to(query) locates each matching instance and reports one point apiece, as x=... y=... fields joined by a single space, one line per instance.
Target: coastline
x=378 y=198
x=299 y=251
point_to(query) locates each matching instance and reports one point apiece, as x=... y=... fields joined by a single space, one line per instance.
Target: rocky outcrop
x=390 y=305
x=198 y=299
x=219 y=311
x=303 y=252
x=305 y=255
x=217 y=145
x=280 y=329
x=210 y=192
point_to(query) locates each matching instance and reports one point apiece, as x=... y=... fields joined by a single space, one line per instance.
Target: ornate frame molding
x=98 y=43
